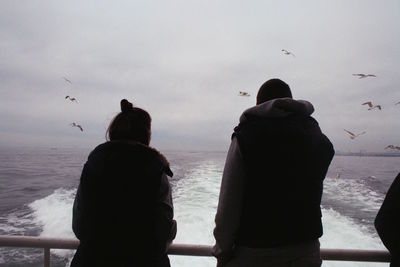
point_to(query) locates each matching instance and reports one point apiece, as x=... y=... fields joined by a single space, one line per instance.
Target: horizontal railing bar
x=355 y=255
x=191 y=250
x=38 y=242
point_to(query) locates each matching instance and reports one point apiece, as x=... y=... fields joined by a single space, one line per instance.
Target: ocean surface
x=37 y=189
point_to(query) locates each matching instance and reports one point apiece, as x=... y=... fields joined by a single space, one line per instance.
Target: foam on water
x=195 y=194
x=344 y=233
x=195 y=206
x=19 y=222
x=196 y=199
x=354 y=192
x=195 y=202
x=54 y=215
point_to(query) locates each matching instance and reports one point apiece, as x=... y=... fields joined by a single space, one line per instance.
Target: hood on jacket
x=103 y=149
x=279 y=108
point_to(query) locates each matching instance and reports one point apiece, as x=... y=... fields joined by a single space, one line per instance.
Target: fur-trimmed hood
x=118 y=144
x=163 y=158
x=278 y=108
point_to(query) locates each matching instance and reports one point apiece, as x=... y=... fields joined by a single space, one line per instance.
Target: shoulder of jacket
x=154 y=155
x=161 y=158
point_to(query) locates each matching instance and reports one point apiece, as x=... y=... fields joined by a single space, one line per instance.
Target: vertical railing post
x=46 y=257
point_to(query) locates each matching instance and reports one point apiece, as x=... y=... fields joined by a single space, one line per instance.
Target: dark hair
x=132 y=123
x=271 y=89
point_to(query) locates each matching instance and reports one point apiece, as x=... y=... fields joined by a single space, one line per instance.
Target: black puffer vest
x=286 y=160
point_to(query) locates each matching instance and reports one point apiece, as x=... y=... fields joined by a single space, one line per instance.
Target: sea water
x=38 y=188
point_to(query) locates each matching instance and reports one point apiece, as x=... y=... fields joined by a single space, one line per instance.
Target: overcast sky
x=185 y=61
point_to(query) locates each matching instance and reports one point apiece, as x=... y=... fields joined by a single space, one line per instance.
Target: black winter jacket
x=123 y=213
x=387 y=222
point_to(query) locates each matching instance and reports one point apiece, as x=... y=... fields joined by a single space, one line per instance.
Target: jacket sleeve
x=77 y=214
x=387 y=221
x=166 y=225
x=227 y=219
x=78 y=210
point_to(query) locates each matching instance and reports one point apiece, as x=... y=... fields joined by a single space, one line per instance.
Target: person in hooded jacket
x=269 y=205
x=387 y=222
x=123 y=211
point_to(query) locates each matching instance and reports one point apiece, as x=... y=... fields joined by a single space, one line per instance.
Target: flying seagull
x=393 y=147
x=73 y=99
x=68 y=81
x=371 y=106
x=287 y=52
x=362 y=75
x=397 y=103
x=241 y=93
x=77 y=125
x=352 y=136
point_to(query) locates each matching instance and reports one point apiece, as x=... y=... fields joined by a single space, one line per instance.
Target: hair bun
x=126 y=105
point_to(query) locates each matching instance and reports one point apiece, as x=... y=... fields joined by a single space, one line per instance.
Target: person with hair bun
x=123 y=211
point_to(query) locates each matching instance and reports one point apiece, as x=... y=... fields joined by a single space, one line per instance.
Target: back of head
x=132 y=123
x=271 y=89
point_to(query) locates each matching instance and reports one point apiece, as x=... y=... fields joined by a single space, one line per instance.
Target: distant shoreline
x=367 y=154
x=165 y=150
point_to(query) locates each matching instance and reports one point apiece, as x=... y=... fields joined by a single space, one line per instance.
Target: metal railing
x=183 y=249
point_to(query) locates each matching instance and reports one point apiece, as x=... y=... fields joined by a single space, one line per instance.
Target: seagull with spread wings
x=286 y=52
x=371 y=106
x=397 y=103
x=77 y=125
x=67 y=80
x=241 y=93
x=352 y=135
x=73 y=99
x=362 y=75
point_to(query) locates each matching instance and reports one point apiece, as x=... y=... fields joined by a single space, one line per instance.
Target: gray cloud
x=185 y=61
